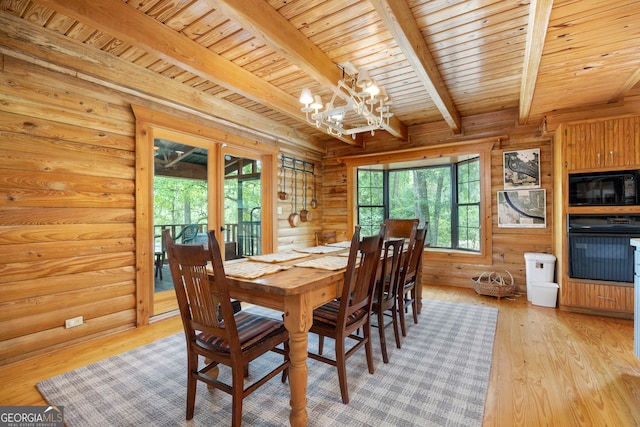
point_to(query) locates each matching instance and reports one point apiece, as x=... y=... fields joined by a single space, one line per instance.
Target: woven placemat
x=252 y=269
x=326 y=263
x=344 y=244
x=278 y=257
x=326 y=249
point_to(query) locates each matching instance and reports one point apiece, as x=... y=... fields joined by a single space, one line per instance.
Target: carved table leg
x=298 y=317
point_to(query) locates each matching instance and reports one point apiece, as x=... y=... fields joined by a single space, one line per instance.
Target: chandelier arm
x=359 y=99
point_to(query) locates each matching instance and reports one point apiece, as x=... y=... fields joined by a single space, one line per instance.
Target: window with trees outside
x=447 y=185
x=447 y=196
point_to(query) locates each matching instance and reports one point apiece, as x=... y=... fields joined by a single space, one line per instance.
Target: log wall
x=67 y=209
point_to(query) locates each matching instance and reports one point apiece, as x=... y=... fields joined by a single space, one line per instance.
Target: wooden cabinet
x=586 y=294
x=589 y=146
x=605 y=144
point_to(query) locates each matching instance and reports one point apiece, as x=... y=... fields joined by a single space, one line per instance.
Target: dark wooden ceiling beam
x=403 y=27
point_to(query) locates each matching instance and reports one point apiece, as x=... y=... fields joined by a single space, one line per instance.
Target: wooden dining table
x=296 y=292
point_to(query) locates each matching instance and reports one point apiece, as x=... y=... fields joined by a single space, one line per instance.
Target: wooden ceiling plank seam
x=203 y=25
x=403 y=27
x=14 y=7
x=59 y=23
x=587 y=62
x=143 y=5
x=226 y=29
x=80 y=32
x=187 y=16
x=465 y=58
x=442 y=11
x=37 y=14
x=321 y=9
x=479 y=40
x=290 y=9
x=222 y=46
x=248 y=59
x=476 y=31
x=166 y=9
x=590 y=9
x=147 y=60
x=238 y=53
x=332 y=27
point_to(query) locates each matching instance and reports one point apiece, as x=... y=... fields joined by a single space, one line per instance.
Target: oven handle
x=598 y=234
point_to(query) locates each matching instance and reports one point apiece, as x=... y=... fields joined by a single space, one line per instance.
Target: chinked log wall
x=509 y=244
x=67 y=218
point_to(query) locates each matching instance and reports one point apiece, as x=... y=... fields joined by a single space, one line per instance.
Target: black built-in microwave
x=615 y=188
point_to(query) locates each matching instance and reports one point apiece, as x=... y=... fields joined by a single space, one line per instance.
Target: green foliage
x=242 y=198
x=179 y=201
x=425 y=193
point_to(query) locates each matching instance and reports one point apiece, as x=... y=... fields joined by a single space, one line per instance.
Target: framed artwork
x=522 y=208
x=522 y=169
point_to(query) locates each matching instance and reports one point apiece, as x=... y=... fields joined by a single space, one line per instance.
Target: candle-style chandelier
x=359 y=97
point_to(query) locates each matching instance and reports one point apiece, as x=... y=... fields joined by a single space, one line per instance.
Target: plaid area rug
x=438 y=378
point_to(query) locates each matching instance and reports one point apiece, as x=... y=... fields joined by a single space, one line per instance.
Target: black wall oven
x=599 y=247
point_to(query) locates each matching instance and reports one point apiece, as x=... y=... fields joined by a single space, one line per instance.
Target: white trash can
x=539 y=268
x=544 y=294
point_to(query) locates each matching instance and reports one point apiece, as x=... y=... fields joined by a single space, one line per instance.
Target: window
x=447 y=184
x=371 y=209
x=445 y=195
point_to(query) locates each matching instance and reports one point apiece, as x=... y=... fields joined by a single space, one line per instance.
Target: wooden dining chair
x=400 y=228
x=409 y=277
x=341 y=318
x=234 y=340
x=324 y=237
x=385 y=298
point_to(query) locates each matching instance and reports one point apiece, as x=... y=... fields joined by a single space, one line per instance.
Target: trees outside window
x=179 y=201
x=445 y=195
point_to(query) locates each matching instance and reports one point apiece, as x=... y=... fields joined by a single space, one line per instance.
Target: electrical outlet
x=72 y=323
x=279 y=210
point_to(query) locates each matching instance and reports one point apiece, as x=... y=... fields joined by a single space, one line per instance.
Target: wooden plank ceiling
x=439 y=60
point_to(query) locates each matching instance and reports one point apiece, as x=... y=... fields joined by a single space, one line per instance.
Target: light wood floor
x=550 y=368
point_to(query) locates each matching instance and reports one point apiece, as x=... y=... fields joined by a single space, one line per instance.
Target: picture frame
x=521 y=169
x=522 y=208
